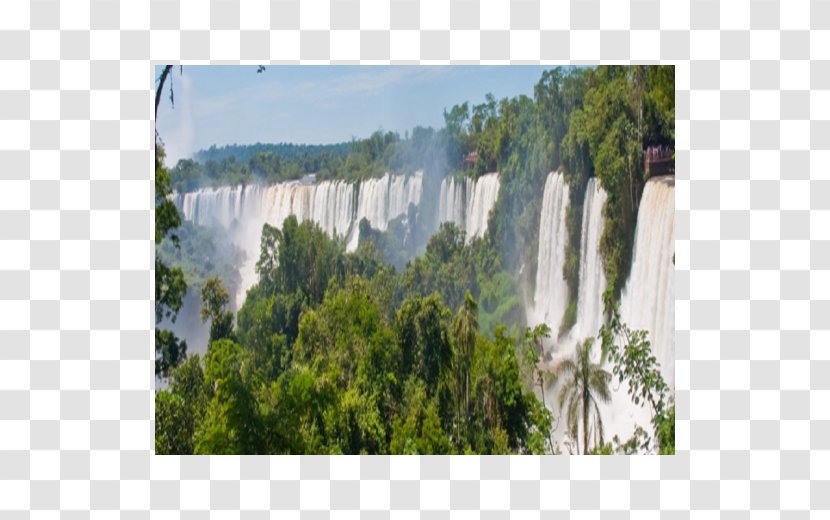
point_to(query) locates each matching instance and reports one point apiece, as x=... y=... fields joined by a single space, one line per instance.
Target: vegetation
x=307 y=155
x=585 y=122
x=416 y=342
x=215 y=299
x=633 y=362
x=585 y=384
x=319 y=364
x=360 y=159
x=170 y=284
x=454 y=268
x=200 y=253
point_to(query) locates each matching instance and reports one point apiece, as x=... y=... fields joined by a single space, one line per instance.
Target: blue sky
x=320 y=104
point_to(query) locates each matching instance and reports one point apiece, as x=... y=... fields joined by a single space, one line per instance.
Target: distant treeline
x=301 y=153
x=359 y=159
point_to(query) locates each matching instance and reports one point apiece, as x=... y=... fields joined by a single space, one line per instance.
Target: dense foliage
x=634 y=363
x=201 y=252
x=333 y=353
x=170 y=283
x=453 y=268
x=307 y=155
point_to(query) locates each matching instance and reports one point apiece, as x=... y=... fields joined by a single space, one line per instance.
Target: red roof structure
x=470 y=159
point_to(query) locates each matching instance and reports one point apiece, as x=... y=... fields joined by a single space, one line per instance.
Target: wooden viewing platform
x=659 y=160
x=470 y=159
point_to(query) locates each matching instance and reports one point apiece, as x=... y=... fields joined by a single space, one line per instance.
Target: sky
x=308 y=104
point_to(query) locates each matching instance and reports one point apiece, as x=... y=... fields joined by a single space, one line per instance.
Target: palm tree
x=585 y=382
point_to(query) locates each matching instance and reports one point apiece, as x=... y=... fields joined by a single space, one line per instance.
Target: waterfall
x=382 y=200
x=451 y=202
x=647 y=301
x=467 y=203
x=592 y=283
x=220 y=206
x=551 y=295
x=484 y=192
x=336 y=206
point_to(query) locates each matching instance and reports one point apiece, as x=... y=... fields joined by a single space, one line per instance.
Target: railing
x=659 y=160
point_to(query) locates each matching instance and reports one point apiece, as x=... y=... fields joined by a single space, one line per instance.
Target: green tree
x=456 y=121
x=532 y=352
x=172 y=436
x=186 y=175
x=268 y=326
x=498 y=407
x=215 y=299
x=170 y=284
x=584 y=385
x=267 y=267
x=201 y=252
x=180 y=409
x=232 y=423
x=452 y=268
x=633 y=361
x=417 y=430
x=299 y=256
x=422 y=329
x=346 y=343
x=464 y=332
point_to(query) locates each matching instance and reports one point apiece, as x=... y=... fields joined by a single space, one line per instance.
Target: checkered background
x=76 y=253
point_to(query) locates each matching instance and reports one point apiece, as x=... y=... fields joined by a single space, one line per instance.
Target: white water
x=646 y=303
x=381 y=200
x=648 y=298
x=592 y=283
x=336 y=206
x=467 y=203
x=551 y=295
x=451 y=206
x=481 y=196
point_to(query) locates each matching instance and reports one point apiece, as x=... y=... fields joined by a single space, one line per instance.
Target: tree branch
x=162 y=78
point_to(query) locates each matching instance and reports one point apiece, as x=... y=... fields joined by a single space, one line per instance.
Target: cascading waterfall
x=381 y=200
x=467 y=203
x=592 y=283
x=590 y=313
x=336 y=206
x=647 y=301
x=220 y=206
x=451 y=202
x=484 y=192
x=333 y=206
x=551 y=295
